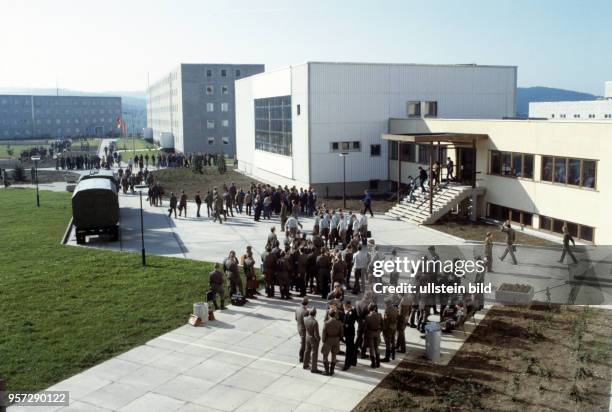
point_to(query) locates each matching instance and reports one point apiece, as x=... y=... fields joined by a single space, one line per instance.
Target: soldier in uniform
x=215 y=285
x=248 y=266
x=339 y=269
x=209 y=203
x=219 y=210
x=302 y=270
x=350 y=316
x=269 y=270
x=183 y=203
x=362 y=312
x=389 y=329
x=374 y=325
x=405 y=307
x=283 y=276
x=324 y=264
x=198 y=201
x=567 y=239
x=332 y=333
x=272 y=238
x=312 y=342
x=231 y=271
x=510 y=237
x=173 y=202
x=300 y=313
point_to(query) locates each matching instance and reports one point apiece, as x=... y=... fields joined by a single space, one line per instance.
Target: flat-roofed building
x=28 y=116
x=293 y=123
x=194 y=106
x=540 y=174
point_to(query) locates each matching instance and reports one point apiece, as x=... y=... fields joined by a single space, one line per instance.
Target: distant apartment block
x=27 y=116
x=195 y=105
x=600 y=109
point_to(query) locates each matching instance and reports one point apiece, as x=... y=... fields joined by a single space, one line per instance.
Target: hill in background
x=525 y=95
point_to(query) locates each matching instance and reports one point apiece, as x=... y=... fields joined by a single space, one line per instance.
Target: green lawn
x=138 y=144
x=64 y=309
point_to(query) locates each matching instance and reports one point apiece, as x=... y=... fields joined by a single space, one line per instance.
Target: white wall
x=268 y=166
x=353 y=101
x=600 y=108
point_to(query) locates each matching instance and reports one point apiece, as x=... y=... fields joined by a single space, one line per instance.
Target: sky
x=114 y=45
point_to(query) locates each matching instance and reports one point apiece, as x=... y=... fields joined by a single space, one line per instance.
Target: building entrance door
x=466 y=158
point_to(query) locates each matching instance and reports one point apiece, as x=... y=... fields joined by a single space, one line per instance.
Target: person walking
x=567 y=238
x=209 y=203
x=198 y=201
x=360 y=265
x=183 y=204
x=367 y=204
x=389 y=329
x=510 y=238
x=173 y=204
x=422 y=178
x=450 y=169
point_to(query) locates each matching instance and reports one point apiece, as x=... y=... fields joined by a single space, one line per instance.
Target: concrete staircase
x=446 y=198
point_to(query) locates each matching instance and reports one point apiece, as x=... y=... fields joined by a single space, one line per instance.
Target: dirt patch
x=478 y=231
x=177 y=179
x=532 y=359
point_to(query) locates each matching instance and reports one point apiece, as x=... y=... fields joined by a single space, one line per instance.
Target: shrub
x=19 y=173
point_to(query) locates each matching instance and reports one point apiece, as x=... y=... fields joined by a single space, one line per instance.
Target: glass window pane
x=515 y=215
x=572 y=228
x=545 y=223
x=560 y=170
x=495 y=163
x=517 y=164
x=573 y=172
x=528 y=166
x=547 y=166
x=558 y=226
x=506 y=164
x=588 y=173
x=527 y=219
x=586 y=233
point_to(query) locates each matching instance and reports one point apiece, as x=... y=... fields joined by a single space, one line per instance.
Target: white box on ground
x=200 y=309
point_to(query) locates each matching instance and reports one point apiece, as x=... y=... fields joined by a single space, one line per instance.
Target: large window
x=576 y=230
x=570 y=171
x=354 y=146
x=424 y=153
x=413 y=109
x=431 y=109
x=511 y=164
x=407 y=151
x=503 y=213
x=273 y=125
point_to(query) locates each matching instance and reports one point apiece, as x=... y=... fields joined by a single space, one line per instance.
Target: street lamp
x=35 y=159
x=343 y=155
x=140 y=188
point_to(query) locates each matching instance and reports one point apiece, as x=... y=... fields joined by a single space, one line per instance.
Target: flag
x=121 y=126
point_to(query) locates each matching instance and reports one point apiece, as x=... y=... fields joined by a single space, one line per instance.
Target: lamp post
x=343 y=155
x=36 y=159
x=140 y=188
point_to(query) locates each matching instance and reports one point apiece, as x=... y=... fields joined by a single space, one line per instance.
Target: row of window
x=550 y=224
x=420 y=109
x=210 y=107
x=210 y=124
x=223 y=72
x=577 y=116
x=563 y=170
x=408 y=151
x=576 y=230
x=213 y=141
x=512 y=164
x=26 y=101
x=210 y=90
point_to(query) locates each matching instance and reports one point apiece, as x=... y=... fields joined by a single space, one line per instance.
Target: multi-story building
x=27 y=116
x=600 y=109
x=293 y=124
x=540 y=174
x=194 y=104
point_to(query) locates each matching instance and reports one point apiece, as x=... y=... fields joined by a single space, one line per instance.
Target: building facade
x=27 y=116
x=292 y=124
x=541 y=174
x=600 y=109
x=194 y=103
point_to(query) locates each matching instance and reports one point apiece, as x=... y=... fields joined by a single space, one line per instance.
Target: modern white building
x=541 y=174
x=600 y=109
x=292 y=124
